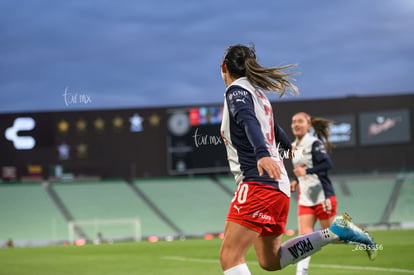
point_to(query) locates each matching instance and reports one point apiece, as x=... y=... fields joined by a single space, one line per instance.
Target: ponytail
x=321 y=128
x=241 y=62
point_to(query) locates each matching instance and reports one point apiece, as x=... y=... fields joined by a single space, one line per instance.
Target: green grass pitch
x=198 y=256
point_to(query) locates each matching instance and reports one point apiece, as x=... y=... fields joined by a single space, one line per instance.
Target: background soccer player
x=316 y=198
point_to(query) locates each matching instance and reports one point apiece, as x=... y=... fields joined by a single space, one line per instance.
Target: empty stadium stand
x=38 y=212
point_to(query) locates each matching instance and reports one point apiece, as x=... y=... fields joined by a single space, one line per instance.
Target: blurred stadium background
x=101 y=171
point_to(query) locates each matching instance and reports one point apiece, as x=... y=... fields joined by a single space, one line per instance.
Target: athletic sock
x=303 y=266
x=303 y=246
x=240 y=269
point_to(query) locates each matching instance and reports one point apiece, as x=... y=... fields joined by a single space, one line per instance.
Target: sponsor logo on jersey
x=239 y=93
x=239 y=96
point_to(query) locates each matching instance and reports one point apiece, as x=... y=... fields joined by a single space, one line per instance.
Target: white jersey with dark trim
x=248 y=132
x=315 y=186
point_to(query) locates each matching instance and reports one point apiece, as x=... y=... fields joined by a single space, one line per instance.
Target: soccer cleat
x=347 y=231
x=372 y=252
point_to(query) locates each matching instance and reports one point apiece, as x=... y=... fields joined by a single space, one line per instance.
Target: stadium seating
x=194 y=204
x=403 y=211
x=88 y=201
x=27 y=213
x=365 y=199
x=191 y=205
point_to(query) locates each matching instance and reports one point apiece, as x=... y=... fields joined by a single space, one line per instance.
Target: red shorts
x=322 y=211
x=260 y=207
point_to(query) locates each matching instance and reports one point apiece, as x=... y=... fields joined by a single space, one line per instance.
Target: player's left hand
x=270 y=166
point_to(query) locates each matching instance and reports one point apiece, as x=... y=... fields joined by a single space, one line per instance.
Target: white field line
x=326 y=266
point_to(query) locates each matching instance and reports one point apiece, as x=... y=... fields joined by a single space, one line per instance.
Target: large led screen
x=384 y=127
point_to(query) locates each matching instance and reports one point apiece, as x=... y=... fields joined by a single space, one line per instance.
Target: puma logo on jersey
x=241 y=100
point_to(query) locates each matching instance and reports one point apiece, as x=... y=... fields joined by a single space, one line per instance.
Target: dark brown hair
x=321 y=127
x=241 y=61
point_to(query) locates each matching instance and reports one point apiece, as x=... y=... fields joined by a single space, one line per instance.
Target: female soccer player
x=258 y=212
x=311 y=163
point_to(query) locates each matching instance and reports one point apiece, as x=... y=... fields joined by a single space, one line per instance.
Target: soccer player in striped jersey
x=316 y=196
x=258 y=212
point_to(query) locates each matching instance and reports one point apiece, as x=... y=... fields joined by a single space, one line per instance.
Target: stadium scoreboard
x=194 y=141
x=112 y=143
x=157 y=142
